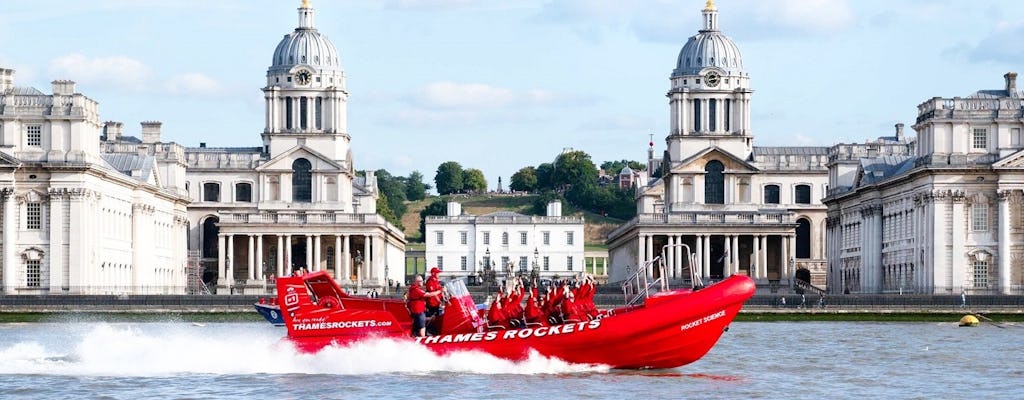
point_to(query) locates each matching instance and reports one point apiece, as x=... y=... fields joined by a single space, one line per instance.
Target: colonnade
x=372 y=253
x=700 y=251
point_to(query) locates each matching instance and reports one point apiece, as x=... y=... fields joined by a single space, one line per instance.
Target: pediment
x=283 y=161
x=697 y=162
x=7 y=160
x=1015 y=160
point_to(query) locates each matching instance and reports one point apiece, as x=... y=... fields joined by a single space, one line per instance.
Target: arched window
x=243 y=192
x=803 y=194
x=803 y=238
x=210 y=232
x=771 y=194
x=211 y=191
x=302 y=181
x=714 y=183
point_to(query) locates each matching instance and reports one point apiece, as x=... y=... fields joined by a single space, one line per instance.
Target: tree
x=393 y=189
x=385 y=211
x=614 y=167
x=524 y=180
x=573 y=168
x=473 y=179
x=544 y=172
x=540 y=205
x=415 y=189
x=448 y=179
x=437 y=207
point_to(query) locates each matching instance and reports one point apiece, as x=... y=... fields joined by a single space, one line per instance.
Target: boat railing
x=639 y=285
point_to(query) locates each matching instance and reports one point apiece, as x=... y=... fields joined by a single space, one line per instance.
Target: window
x=464 y=263
x=547 y=238
x=318 y=109
x=713 y=115
x=979 y=220
x=569 y=238
x=714 y=183
x=803 y=238
x=303 y=113
x=522 y=238
x=803 y=194
x=522 y=264
x=980 y=139
x=696 y=115
x=288 y=111
x=211 y=191
x=34 y=135
x=243 y=192
x=568 y=263
x=487 y=262
x=504 y=238
x=547 y=263
x=771 y=194
x=504 y=263
x=487 y=238
x=463 y=237
x=440 y=262
x=440 y=237
x=33 y=216
x=981 y=274
x=330 y=256
x=302 y=181
x=728 y=111
x=32 y=273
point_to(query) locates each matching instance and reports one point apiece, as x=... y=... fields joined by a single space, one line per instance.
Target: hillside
x=596 y=228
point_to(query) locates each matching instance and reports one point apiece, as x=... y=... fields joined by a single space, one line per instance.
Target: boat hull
x=670 y=329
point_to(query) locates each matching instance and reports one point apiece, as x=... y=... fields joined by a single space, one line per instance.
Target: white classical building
x=77 y=219
x=940 y=215
x=91 y=214
x=463 y=245
x=741 y=209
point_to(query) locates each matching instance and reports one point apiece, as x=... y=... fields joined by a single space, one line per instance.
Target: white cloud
x=470 y=96
x=193 y=83
x=429 y=4
x=116 y=71
x=823 y=16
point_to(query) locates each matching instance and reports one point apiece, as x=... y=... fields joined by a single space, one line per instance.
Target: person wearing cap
x=434 y=285
x=417 y=303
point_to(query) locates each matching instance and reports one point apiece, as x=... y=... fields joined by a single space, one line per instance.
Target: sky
x=502 y=84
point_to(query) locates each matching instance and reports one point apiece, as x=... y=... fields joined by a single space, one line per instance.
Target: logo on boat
x=341 y=325
x=700 y=321
x=291 y=298
x=524 y=333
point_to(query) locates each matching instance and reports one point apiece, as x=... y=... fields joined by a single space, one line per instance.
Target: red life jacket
x=416 y=299
x=433 y=285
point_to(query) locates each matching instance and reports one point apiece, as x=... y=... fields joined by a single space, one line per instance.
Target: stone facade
x=738 y=208
x=940 y=215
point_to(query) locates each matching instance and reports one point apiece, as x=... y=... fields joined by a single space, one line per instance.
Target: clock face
x=712 y=78
x=303 y=77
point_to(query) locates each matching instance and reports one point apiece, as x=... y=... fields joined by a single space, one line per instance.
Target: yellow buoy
x=969 y=320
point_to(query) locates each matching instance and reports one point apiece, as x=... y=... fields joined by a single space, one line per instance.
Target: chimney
x=151 y=131
x=555 y=209
x=112 y=131
x=63 y=87
x=899 y=132
x=454 y=209
x=1011 y=81
x=6 y=79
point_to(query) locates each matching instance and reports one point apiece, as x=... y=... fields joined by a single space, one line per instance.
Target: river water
x=772 y=360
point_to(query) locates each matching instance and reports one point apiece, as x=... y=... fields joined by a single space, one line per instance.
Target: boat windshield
x=456 y=287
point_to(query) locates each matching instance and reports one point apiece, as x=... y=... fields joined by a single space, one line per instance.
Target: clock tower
x=710 y=95
x=306 y=99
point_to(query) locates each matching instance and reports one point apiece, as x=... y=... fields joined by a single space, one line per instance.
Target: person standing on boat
x=434 y=285
x=417 y=303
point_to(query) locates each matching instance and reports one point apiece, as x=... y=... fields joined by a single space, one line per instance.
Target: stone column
x=639 y=251
x=221 y=264
x=56 y=249
x=251 y=250
x=959 y=258
x=309 y=252
x=727 y=260
x=229 y=270
x=784 y=267
x=670 y=256
x=707 y=257
x=259 y=257
x=698 y=268
x=755 y=258
x=316 y=253
x=366 y=258
x=1004 y=242
x=280 y=255
x=287 y=251
x=347 y=266
x=9 y=210
x=337 y=258
x=735 y=255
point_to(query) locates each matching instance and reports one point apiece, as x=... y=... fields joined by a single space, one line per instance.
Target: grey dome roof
x=709 y=48
x=305 y=46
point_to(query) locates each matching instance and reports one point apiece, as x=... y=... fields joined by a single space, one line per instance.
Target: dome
x=305 y=46
x=709 y=48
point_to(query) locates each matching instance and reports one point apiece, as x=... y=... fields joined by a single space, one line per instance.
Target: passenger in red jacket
x=570 y=310
x=417 y=303
x=495 y=315
x=434 y=285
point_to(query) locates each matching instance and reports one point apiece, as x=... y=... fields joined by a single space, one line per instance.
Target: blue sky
x=498 y=85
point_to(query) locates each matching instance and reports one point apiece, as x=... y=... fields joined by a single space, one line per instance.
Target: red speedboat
x=658 y=328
